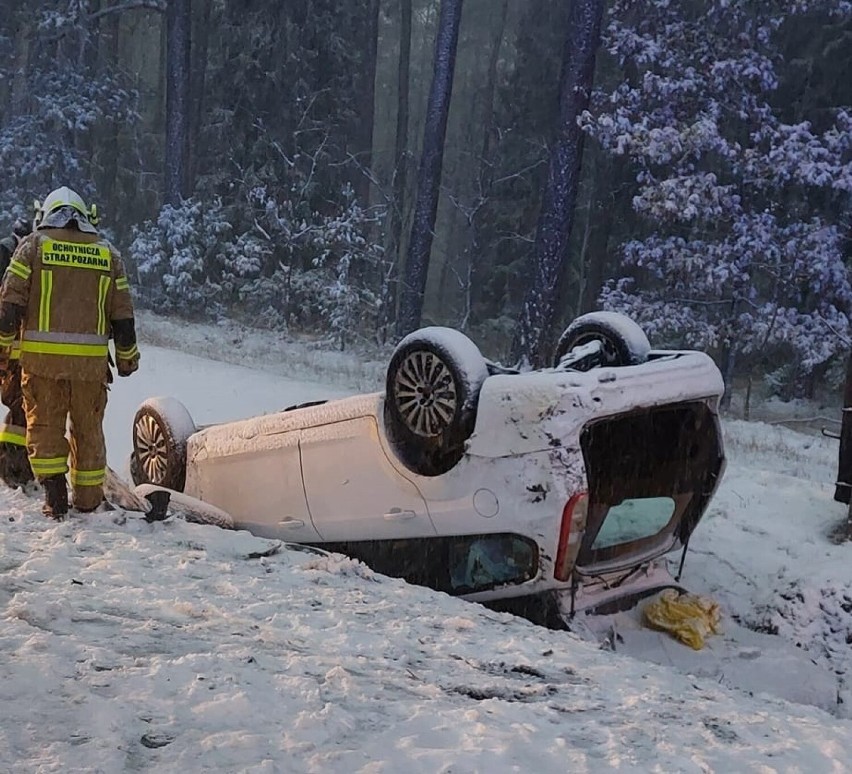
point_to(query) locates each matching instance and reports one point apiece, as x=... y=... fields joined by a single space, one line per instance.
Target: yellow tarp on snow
x=688 y=617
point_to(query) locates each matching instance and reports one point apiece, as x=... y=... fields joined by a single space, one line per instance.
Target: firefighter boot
x=15 y=468
x=55 y=497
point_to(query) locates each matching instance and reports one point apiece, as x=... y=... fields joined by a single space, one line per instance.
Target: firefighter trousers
x=49 y=404
x=14 y=464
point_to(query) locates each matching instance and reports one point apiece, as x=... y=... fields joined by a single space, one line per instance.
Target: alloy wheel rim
x=425 y=393
x=151 y=448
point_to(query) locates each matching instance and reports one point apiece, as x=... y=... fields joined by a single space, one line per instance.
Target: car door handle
x=291 y=523
x=397 y=514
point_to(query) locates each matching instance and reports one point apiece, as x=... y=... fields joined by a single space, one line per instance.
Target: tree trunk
x=400 y=172
x=560 y=193
x=367 y=103
x=431 y=162
x=109 y=153
x=20 y=86
x=178 y=27
x=485 y=179
x=729 y=362
x=198 y=78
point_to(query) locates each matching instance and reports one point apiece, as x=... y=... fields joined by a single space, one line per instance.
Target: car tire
x=161 y=429
x=624 y=342
x=432 y=391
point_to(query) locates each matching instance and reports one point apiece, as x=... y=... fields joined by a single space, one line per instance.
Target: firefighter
x=20 y=228
x=66 y=290
x=14 y=466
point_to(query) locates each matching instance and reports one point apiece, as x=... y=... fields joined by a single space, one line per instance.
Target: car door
x=353 y=491
x=258 y=480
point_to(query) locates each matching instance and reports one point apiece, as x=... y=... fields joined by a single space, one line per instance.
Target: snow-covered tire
x=161 y=429
x=624 y=342
x=431 y=396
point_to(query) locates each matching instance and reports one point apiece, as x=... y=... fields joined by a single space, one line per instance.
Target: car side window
x=481 y=563
x=455 y=565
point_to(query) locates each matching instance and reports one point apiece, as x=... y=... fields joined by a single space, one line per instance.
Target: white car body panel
x=354 y=493
x=523 y=413
x=263 y=467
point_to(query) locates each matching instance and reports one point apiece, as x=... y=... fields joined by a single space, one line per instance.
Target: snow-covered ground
x=764 y=552
x=129 y=646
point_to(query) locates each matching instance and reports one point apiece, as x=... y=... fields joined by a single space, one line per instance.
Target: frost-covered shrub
x=312 y=271
x=741 y=251
x=323 y=265
x=183 y=259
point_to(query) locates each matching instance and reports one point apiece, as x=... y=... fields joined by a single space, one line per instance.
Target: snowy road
x=212 y=391
x=177 y=648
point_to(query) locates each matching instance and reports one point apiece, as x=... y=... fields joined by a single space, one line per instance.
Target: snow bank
x=763 y=548
x=135 y=646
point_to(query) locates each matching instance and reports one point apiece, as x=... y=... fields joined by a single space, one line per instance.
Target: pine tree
x=741 y=250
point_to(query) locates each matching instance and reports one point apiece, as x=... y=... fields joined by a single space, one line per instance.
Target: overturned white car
x=539 y=492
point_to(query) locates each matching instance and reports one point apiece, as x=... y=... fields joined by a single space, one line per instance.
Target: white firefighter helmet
x=62 y=207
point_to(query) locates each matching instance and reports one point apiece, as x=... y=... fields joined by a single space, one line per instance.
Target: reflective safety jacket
x=7 y=247
x=74 y=292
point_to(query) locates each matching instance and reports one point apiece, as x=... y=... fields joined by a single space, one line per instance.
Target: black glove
x=127 y=367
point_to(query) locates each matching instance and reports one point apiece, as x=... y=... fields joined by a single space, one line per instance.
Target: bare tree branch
x=837 y=333
x=130 y=5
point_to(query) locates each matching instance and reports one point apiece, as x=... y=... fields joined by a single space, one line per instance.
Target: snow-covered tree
x=316 y=271
x=58 y=101
x=742 y=250
x=180 y=258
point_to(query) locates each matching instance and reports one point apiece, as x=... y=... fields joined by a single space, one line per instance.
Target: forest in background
x=266 y=161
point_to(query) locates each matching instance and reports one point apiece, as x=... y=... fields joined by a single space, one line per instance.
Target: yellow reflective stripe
x=49 y=466
x=16 y=351
x=127 y=354
x=122 y=284
x=103 y=288
x=55 y=348
x=13 y=434
x=20 y=269
x=7 y=339
x=88 y=477
x=44 y=301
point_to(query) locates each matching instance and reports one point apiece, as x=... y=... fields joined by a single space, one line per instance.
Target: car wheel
x=161 y=429
x=624 y=342
x=432 y=391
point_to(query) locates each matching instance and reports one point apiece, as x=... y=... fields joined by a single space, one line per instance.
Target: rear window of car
x=633 y=519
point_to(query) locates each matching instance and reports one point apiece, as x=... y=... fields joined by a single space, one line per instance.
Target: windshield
x=650 y=477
